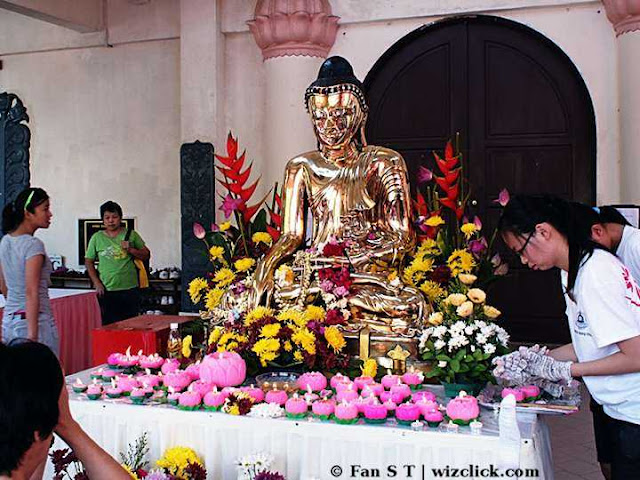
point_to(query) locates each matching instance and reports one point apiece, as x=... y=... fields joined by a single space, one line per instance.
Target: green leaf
x=455 y=365
x=443 y=358
x=259 y=223
x=461 y=353
x=464 y=368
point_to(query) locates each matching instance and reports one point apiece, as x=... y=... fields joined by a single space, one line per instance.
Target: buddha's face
x=336 y=117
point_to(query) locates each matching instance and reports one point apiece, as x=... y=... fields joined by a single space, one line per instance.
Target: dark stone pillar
x=15 y=139
x=197 y=204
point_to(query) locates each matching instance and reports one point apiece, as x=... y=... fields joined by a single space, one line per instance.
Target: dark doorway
x=526 y=122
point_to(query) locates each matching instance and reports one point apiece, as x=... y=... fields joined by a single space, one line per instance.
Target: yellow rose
x=434 y=221
x=225 y=226
x=467 y=278
x=457 y=299
x=465 y=309
x=244 y=264
x=491 y=312
x=186 y=346
x=476 y=295
x=435 y=319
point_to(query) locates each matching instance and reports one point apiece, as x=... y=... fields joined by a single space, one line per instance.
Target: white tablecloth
x=303 y=449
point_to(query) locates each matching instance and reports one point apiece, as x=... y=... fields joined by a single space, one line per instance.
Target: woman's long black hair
x=27 y=200
x=572 y=220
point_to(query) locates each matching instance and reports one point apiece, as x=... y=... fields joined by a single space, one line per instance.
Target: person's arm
x=98 y=463
x=564 y=353
x=93 y=275
x=32 y=283
x=3 y=284
x=627 y=360
x=141 y=253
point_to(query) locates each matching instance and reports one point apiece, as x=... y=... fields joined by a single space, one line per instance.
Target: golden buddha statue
x=355 y=193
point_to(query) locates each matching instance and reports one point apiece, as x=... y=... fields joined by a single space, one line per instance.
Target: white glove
x=547 y=367
x=511 y=367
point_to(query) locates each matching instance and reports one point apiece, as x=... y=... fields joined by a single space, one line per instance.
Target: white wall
x=105 y=122
x=579 y=28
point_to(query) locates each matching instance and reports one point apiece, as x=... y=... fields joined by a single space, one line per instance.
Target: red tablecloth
x=76 y=315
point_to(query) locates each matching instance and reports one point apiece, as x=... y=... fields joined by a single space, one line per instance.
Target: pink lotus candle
x=254 y=392
x=201 y=387
x=375 y=412
x=97 y=374
x=401 y=389
x=148 y=389
x=338 y=378
x=189 y=400
x=113 y=391
x=179 y=380
x=407 y=413
x=138 y=395
x=413 y=378
x=390 y=406
x=516 y=392
x=94 y=391
x=426 y=406
x=531 y=392
x=323 y=408
x=362 y=402
x=193 y=371
x=423 y=394
x=314 y=381
x=462 y=409
x=127 y=383
x=78 y=386
x=372 y=389
x=109 y=374
x=348 y=395
x=229 y=390
x=388 y=380
x=127 y=360
x=153 y=361
x=114 y=359
x=276 y=396
x=225 y=369
x=344 y=385
x=362 y=381
x=393 y=397
x=296 y=407
x=170 y=365
x=433 y=418
x=346 y=413
x=150 y=379
x=214 y=399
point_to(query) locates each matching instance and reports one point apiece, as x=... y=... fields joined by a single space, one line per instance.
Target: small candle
x=394 y=397
x=138 y=395
x=170 y=365
x=78 y=386
x=426 y=406
x=413 y=378
x=407 y=412
x=276 y=396
x=452 y=427
x=256 y=393
x=375 y=411
x=178 y=379
x=344 y=385
x=516 y=392
x=96 y=374
x=476 y=427
x=390 y=405
x=173 y=396
x=361 y=402
x=423 y=394
x=433 y=418
x=153 y=361
x=193 y=371
x=346 y=412
x=310 y=397
x=362 y=381
x=214 y=399
x=114 y=359
x=402 y=389
x=94 y=391
x=107 y=375
x=338 y=378
x=113 y=391
x=314 y=381
x=388 y=380
x=323 y=408
x=373 y=388
x=417 y=426
x=189 y=400
x=201 y=387
x=295 y=406
x=347 y=395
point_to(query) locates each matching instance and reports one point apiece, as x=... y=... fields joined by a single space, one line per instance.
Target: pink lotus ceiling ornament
x=623 y=14
x=301 y=27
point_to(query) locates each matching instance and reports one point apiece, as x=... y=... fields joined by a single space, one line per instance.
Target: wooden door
x=526 y=123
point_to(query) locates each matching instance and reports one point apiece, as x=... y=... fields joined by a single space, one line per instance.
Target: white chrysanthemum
x=439 y=344
x=489 y=348
x=442 y=364
x=481 y=339
x=439 y=331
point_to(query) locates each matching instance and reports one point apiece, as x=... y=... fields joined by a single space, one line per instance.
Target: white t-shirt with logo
x=605 y=310
x=628 y=250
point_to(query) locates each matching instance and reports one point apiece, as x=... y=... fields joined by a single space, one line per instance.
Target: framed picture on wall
x=631 y=213
x=88 y=226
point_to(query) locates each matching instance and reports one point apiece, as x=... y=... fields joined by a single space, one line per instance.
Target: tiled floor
x=573 y=445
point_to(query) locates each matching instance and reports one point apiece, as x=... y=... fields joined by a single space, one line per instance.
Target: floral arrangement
x=234 y=248
x=238 y=403
x=257 y=467
x=179 y=463
x=451 y=266
x=262 y=337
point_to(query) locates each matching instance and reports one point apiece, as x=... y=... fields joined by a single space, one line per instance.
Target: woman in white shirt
x=603 y=309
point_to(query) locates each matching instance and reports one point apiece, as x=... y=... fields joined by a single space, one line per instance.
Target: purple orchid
x=503 y=197
x=424 y=175
x=477 y=222
x=230 y=205
x=477 y=247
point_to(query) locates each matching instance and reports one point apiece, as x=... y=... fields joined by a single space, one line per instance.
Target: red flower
x=441 y=274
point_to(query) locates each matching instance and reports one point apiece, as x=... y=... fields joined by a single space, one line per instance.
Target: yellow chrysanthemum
x=196 y=286
x=293 y=316
x=215 y=335
x=233 y=410
x=306 y=339
x=270 y=331
x=262 y=237
x=287 y=346
x=432 y=290
x=428 y=247
x=369 y=368
x=297 y=356
x=416 y=270
x=434 y=221
x=266 y=350
x=334 y=338
x=256 y=314
x=314 y=312
x=224 y=277
x=460 y=261
x=129 y=471
x=216 y=252
x=186 y=346
x=468 y=229
x=244 y=264
x=213 y=297
x=175 y=460
x=225 y=226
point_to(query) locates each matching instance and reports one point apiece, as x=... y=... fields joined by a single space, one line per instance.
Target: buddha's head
x=336 y=104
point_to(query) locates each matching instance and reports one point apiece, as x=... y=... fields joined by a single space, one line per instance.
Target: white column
x=201 y=70
x=629 y=65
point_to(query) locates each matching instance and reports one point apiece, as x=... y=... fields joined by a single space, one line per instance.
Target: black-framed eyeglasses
x=520 y=251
